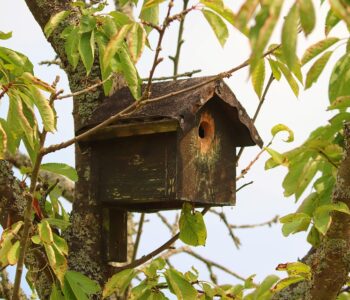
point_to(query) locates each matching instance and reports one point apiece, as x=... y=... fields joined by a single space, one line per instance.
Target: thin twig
x=328 y=159
x=51 y=62
x=138 y=236
x=267 y=223
x=165 y=221
x=262 y=101
x=246 y=170
x=180 y=41
x=154 y=253
x=223 y=217
x=213 y=264
x=244 y=185
x=186 y=74
x=157 y=60
x=88 y=89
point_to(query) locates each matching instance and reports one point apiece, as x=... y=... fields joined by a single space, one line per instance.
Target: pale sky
x=263 y=248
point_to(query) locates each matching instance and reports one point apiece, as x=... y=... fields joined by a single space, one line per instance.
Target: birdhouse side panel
x=206 y=160
x=137 y=170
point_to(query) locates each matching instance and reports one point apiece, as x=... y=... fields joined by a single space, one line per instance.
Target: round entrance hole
x=205 y=134
x=205 y=130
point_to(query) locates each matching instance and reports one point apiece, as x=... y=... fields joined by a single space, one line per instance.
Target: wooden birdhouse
x=179 y=149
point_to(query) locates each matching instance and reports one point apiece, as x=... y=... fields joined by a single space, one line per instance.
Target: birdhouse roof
x=182 y=105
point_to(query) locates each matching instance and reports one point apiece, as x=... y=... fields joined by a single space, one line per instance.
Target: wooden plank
x=133 y=129
x=118 y=235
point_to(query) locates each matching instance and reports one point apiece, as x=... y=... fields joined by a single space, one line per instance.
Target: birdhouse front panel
x=207 y=159
x=137 y=169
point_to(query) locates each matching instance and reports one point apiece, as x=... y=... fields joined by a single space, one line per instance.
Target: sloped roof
x=181 y=107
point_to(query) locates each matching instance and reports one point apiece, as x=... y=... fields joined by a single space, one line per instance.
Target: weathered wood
x=117 y=235
x=206 y=167
x=181 y=149
x=132 y=129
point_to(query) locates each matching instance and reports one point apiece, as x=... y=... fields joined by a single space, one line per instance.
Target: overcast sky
x=262 y=249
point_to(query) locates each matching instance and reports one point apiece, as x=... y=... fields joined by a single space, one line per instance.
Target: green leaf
x=274 y=69
x=136 y=41
x=45 y=232
x=3 y=142
x=258 y=77
x=314 y=237
x=150 y=15
x=289 y=36
x=192 y=227
x=296 y=268
x=264 y=288
x=118 y=283
x=331 y=21
x=219 y=7
x=81 y=285
x=341 y=9
x=317 y=49
x=244 y=15
x=157 y=264
x=13 y=254
x=218 y=25
x=87 y=23
x=339 y=83
x=17 y=59
x=87 y=49
x=260 y=33
x=150 y=3
x=62 y=169
x=307 y=16
x=294 y=223
x=5 y=35
x=54 y=21
x=56 y=293
x=290 y=79
x=340 y=103
x=309 y=204
x=115 y=44
x=281 y=127
x=130 y=73
x=299 y=177
x=120 y=19
x=322 y=218
x=61 y=244
x=36 y=239
x=283 y=283
x=46 y=111
x=59 y=223
x=179 y=286
x=18 y=110
x=71 y=47
x=277 y=159
x=315 y=71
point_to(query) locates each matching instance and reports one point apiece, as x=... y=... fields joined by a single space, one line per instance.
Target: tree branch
x=330 y=267
x=20 y=160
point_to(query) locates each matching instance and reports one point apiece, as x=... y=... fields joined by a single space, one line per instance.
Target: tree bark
x=331 y=264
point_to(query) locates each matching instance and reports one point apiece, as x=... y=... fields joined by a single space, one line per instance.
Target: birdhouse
x=179 y=149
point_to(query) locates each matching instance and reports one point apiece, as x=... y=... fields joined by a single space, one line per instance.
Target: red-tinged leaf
x=136 y=40
x=37 y=209
x=318 y=48
x=315 y=71
x=244 y=15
